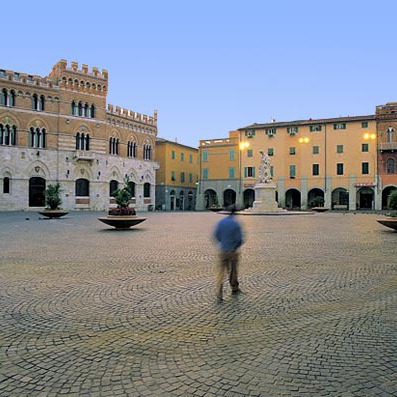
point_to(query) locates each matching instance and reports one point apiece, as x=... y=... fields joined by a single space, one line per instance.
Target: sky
x=209 y=67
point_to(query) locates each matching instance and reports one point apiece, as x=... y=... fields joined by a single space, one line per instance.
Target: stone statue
x=264 y=170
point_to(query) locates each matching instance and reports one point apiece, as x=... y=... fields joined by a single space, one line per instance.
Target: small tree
x=122 y=197
x=318 y=201
x=392 y=200
x=53 y=196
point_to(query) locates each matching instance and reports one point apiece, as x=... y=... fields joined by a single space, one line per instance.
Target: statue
x=264 y=170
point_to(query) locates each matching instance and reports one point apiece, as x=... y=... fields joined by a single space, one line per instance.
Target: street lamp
x=242 y=145
x=372 y=137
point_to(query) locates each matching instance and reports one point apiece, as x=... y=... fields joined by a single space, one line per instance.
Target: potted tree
x=318 y=204
x=53 y=201
x=391 y=218
x=123 y=216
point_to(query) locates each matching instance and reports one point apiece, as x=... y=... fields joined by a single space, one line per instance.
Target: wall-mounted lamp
x=38 y=154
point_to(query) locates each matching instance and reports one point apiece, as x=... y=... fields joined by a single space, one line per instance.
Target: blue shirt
x=228 y=233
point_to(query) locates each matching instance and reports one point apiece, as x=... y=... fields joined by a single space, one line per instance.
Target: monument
x=265 y=189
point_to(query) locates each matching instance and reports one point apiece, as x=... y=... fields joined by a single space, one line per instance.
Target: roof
x=308 y=122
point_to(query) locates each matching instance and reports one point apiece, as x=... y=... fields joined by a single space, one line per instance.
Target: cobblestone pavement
x=90 y=311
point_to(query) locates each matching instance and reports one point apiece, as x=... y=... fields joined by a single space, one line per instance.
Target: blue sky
x=209 y=67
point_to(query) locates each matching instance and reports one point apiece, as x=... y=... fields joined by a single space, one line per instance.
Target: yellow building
x=177 y=176
x=220 y=172
x=331 y=162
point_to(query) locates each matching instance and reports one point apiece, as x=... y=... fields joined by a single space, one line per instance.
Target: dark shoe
x=236 y=291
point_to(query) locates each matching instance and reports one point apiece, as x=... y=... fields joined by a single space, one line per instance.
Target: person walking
x=229 y=235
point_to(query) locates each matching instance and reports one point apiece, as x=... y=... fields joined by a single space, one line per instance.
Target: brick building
x=59 y=128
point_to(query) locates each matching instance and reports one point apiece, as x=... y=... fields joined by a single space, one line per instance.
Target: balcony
x=83 y=155
x=387 y=146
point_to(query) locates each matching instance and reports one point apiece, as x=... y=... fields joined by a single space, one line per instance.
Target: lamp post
x=373 y=137
x=242 y=146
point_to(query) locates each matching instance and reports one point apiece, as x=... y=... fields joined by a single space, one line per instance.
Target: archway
x=315 y=198
x=293 y=199
x=385 y=196
x=211 y=199
x=172 y=200
x=36 y=192
x=365 y=198
x=229 y=197
x=340 y=198
x=190 y=197
x=182 y=200
x=249 y=198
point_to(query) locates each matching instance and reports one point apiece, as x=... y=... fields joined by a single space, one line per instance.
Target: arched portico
x=340 y=198
x=315 y=198
x=249 y=198
x=385 y=196
x=229 y=197
x=293 y=199
x=211 y=199
x=365 y=198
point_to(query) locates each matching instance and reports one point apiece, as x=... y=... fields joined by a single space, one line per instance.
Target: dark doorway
x=36 y=192
x=229 y=197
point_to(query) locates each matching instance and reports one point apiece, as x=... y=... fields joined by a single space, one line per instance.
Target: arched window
x=42 y=101
x=3 y=97
x=131 y=149
x=73 y=108
x=37 y=137
x=146 y=190
x=113 y=145
x=390 y=166
x=82 y=141
x=86 y=110
x=80 y=109
x=92 y=111
x=131 y=188
x=82 y=187
x=147 y=150
x=12 y=98
x=35 y=102
x=6 y=184
x=8 y=135
x=113 y=186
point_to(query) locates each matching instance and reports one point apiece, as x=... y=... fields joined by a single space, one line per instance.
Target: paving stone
x=92 y=311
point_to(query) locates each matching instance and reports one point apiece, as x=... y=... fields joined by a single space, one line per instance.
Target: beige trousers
x=227 y=265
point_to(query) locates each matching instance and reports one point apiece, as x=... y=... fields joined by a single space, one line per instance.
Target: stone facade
x=59 y=129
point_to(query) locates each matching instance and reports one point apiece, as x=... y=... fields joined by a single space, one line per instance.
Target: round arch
x=211 y=199
x=340 y=197
x=229 y=197
x=248 y=198
x=293 y=199
x=315 y=198
x=385 y=196
x=365 y=198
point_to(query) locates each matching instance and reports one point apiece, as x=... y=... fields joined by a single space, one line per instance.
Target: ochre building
x=59 y=128
x=345 y=163
x=176 y=177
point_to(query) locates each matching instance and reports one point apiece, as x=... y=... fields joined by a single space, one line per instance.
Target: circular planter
x=389 y=222
x=53 y=213
x=319 y=209
x=121 y=222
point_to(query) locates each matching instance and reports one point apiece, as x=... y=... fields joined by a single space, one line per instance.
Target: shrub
x=392 y=200
x=53 y=196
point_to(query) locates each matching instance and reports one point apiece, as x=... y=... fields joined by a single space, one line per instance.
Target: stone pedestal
x=265 y=197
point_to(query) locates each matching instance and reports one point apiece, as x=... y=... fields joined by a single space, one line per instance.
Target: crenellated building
x=59 y=128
